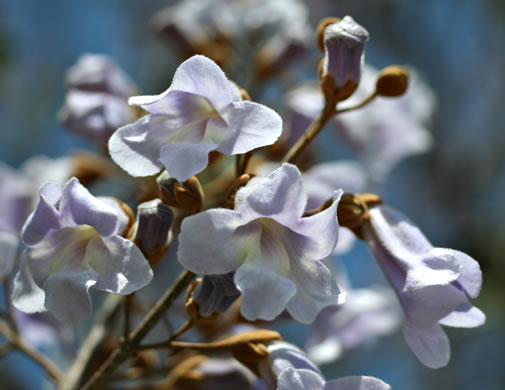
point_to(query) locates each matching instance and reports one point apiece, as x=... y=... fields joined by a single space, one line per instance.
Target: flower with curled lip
x=276 y=253
x=432 y=284
x=73 y=244
x=200 y=112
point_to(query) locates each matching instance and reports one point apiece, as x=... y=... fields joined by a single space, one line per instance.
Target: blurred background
x=453 y=192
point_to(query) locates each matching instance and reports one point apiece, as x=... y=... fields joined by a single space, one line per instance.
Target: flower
x=201 y=111
x=432 y=284
x=275 y=251
x=73 y=244
x=344 y=46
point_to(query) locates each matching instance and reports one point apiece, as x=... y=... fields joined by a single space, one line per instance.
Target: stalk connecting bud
x=392 y=81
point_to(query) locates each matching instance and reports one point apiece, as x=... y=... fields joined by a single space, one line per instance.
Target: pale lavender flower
x=73 y=244
x=275 y=251
x=201 y=111
x=366 y=314
x=432 y=284
x=344 y=47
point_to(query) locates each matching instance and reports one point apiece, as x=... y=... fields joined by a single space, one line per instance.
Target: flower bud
x=152 y=232
x=215 y=294
x=321 y=27
x=344 y=45
x=392 y=81
x=187 y=196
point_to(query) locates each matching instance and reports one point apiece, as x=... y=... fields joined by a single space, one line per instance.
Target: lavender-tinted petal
x=282 y=355
x=346 y=240
x=119 y=264
x=123 y=219
x=430 y=345
x=465 y=316
x=316 y=288
x=212 y=243
x=319 y=231
x=183 y=160
x=253 y=125
x=471 y=275
x=299 y=379
x=357 y=383
x=44 y=217
x=279 y=196
x=9 y=244
x=79 y=207
x=27 y=296
x=265 y=292
x=67 y=296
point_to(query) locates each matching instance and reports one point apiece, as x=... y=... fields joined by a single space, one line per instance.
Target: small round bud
x=187 y=196
x=392 y=81
x=321 y=27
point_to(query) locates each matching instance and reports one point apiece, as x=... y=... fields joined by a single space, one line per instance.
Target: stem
x=129 y=346
x=312 y=131
x=14 y=340
x=245 y=162
x=92 y=344
x=238 y=165
x=166 y=344
x=358 y=106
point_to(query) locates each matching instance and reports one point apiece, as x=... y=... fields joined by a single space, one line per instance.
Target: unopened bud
x=152 y=232
x=187 y=196
x=344 y=45
x=321 y=27
x=215 y=294
x=392 y=81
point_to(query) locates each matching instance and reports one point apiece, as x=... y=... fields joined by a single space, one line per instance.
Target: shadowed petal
x=26 y=295
x=299 y=379
x=9 y=244
x=465 y=316
x=471 y=276
x=183 y=160
x=430 y=345
x=357 y=383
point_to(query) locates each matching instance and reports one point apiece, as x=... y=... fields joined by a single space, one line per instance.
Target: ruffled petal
x=67 y=296
x=471 y=275
x=119 y=264
x=253 y=125
x=357 y=383
x=299 y=379
x=9 y=244
x=183 y=160
x=265 y=293
x=45 y=216
x=79 y=207
x=316 y=288
x=215 y=241
x=430 y=345
x=26 y=295
x=465 y=316
x=279 y=196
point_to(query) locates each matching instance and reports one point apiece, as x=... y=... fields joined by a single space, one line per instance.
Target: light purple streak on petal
x=357 y=383
x=322 y=180
x=465 y=316
x=45 y=216
x=212 y=242
x=320 y=232
x=316 y=288
x=9 y=244
x=202 y=76
x=119 y=264
x=183 y=160
x=136 y=147
x=282 y=355
x=430 y=345
x=26 y=295
x=279 y=196
x=67 y=296
x=299 y=379
x=265 y=293
x=122 y=217
x=253 y=126
x=79 y=207
x=471 y=277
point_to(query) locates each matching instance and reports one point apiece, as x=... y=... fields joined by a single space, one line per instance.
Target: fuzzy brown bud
x=186 y=196
x=392 y=81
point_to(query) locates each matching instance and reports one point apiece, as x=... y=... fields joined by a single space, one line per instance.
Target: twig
x=128 y=347
x=360 y=105
x=13 y=338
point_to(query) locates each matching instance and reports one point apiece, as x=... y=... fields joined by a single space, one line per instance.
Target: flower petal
x=299 y=379
x=67 y=296
x=26 y=295
x=465 y=316
x=44 y=217
x=430 y=345
x=79 y=207
x=357 y=383
x=253 y=125
x=120 y=266
x=471 y=276
x=9 y=244
x=265 y=293
x=183 y=160
x=215 y=242
x=316 y=288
